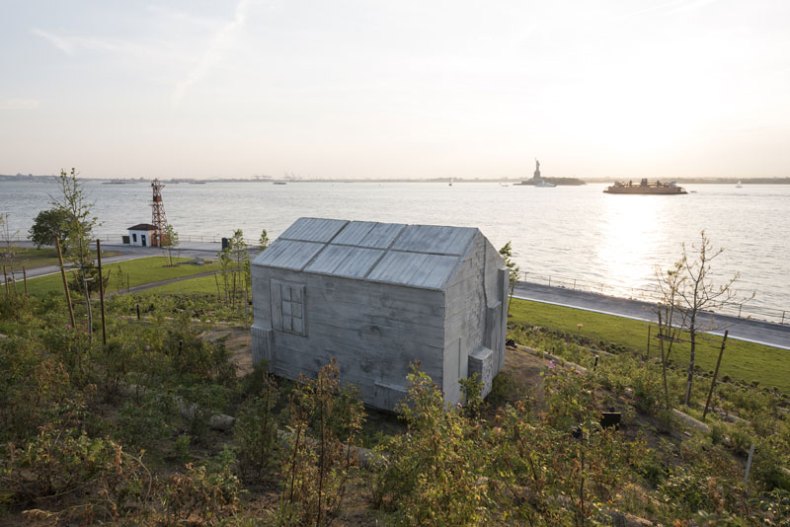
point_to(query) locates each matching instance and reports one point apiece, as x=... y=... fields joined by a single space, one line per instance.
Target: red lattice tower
x=158 y=216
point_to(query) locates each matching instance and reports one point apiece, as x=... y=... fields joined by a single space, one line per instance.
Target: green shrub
x=146 y=420
x=431 y=474
x=63 y=466
x=255 y=434
x=322 y=417
x=570 y=397
x=201 y=496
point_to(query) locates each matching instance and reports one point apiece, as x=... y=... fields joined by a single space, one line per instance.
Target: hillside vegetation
x=168 y=424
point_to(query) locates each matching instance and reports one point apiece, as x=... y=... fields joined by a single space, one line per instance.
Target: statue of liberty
x=537 y=169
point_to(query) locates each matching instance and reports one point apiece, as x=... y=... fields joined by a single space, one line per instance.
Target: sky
x=396 y=89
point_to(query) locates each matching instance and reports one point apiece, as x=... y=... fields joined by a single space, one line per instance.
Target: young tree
x=263 y=241
x=49 y=225
x=169 y=241
x=241 y=260
x=7 y=255
x=513 y=270
x=234 y=263
x=80 y=223
x=697 y=293
x=670 y=283
x=325 y=419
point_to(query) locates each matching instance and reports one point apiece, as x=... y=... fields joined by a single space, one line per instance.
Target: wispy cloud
x=70 y=44
x=19 y=104
x=218 y=46
x=63 y=44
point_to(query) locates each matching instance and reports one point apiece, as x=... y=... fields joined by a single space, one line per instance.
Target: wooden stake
x=647 y=355
x=65 y=284
x=663 y=361
x=24 y=278
x=581 y=485
x=88 y=307
x=715 y=374
x=5 y=282
x=101 y=295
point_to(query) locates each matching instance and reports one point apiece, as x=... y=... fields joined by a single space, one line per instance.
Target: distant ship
x=644 y=187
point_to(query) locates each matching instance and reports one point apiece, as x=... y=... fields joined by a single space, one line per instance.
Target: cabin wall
x=497 y=294
x=475 y=325
x=465 y=321
x=375 y=331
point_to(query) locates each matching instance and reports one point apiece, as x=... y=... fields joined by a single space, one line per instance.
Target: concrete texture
x=379 y=297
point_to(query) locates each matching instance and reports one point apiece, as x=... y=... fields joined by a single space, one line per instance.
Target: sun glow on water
x=631 y=234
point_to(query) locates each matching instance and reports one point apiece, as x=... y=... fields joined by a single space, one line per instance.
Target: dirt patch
x=519 y=378
x=238 y=342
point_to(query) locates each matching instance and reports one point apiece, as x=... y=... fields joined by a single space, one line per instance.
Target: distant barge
x=645 y=188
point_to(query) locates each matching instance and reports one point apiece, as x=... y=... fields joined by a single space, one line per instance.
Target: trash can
x=225 y=243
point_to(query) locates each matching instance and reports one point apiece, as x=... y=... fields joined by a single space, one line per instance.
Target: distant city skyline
x=408 y=89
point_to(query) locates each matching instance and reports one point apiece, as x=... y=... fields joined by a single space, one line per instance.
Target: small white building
x=378 y=297
x=142 y=235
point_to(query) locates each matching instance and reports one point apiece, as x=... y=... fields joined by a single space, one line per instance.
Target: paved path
x=152 y=285
x=743 y=329
x=190 y=250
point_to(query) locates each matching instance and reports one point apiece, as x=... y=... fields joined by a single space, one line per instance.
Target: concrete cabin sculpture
x=379 y=296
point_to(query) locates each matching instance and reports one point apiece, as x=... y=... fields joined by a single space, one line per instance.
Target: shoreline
x=509 y=180
x=753 y=330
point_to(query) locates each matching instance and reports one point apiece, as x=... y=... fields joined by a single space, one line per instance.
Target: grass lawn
x=742 y=360
x=30 y=258
x=132 y=272
x=203 y=284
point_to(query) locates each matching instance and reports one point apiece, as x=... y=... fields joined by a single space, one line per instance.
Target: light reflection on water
x=630 y=231
x=568 y=233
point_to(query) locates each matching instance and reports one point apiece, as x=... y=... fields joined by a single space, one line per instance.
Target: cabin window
x=288 y=313
x=134 y=237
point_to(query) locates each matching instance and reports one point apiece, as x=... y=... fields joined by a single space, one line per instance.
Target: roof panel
x=288 y=254
x=313 y=230
x=341 y=260
x=382 y=235
x=418 y=270
x=422 y=256
x=434 y=239
x=369 y=234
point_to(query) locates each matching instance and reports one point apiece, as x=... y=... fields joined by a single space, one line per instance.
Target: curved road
x=768 y=333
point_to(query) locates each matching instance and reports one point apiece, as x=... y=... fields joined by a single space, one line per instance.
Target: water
x=601 y=242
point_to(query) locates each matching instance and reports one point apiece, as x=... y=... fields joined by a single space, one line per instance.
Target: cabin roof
x=142 y=227
x=423 y=256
